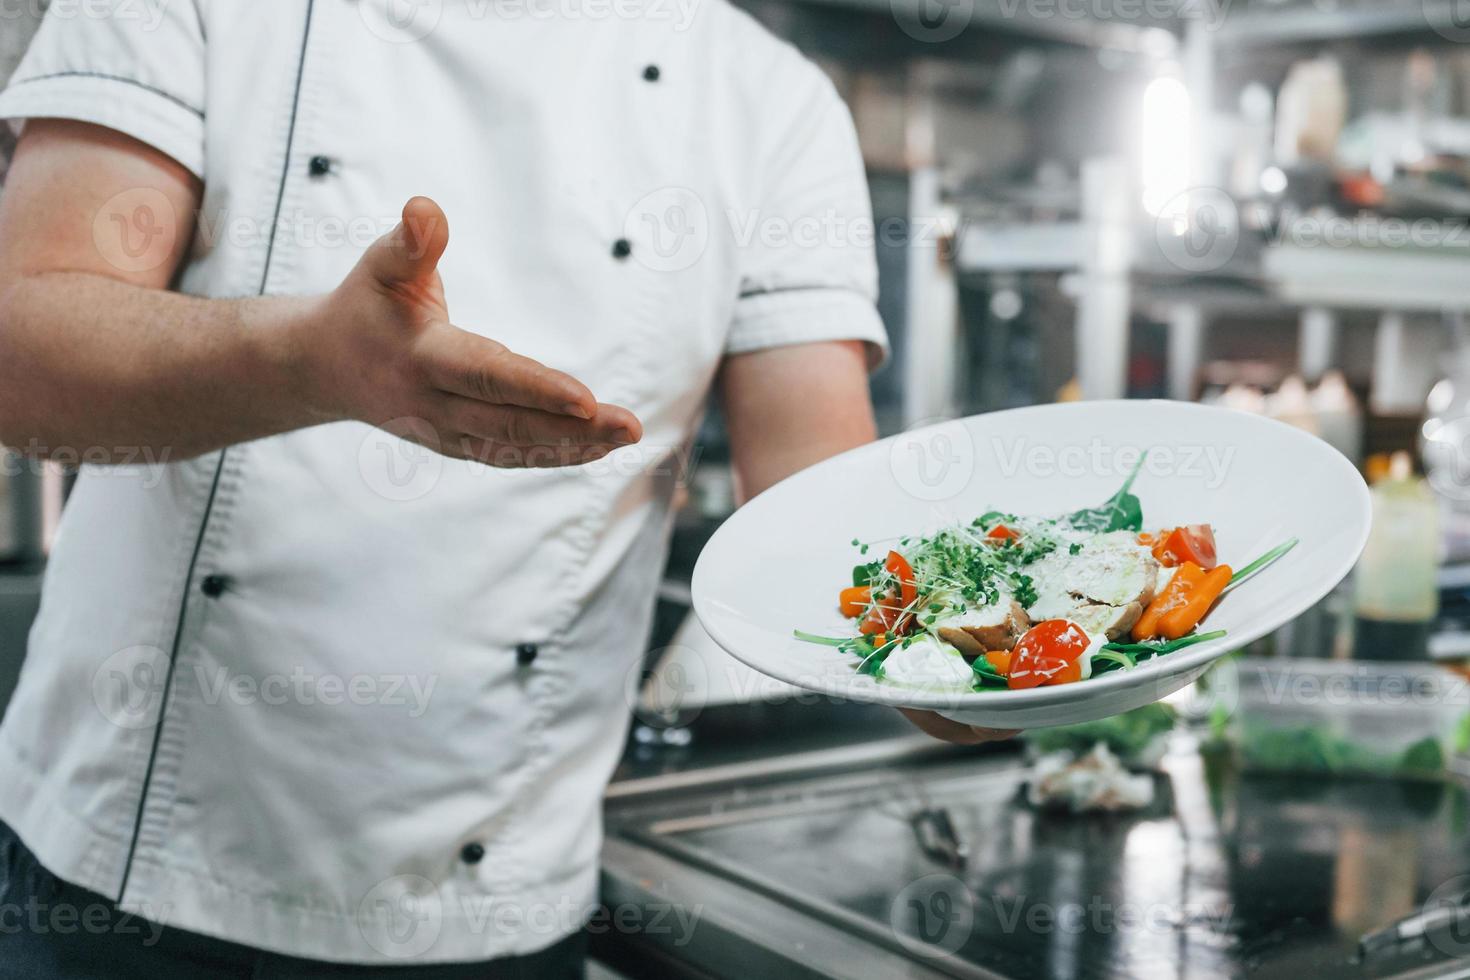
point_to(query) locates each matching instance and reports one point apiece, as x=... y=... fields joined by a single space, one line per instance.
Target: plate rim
x=1203 y=653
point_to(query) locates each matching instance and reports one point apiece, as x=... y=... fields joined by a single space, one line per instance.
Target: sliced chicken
x=1103 y=588
x=996 y=626
x=1114 y=621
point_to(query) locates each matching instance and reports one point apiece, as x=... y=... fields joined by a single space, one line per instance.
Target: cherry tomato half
x=1192 y=542
x=1049 y=653
x=891 y=613
x=1002 y=533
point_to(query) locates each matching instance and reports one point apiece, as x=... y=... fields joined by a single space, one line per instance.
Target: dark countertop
x=731 y=735
x=809 y=868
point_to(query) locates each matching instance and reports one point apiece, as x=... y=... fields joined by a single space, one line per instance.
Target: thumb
x=410 y=253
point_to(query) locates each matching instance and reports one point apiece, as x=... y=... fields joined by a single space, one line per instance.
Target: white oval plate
x=777 y=564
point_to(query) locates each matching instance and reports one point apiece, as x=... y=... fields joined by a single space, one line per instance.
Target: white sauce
x=927 y=662
x=1094 y=645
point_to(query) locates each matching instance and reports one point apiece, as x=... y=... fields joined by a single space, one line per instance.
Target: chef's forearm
x=790 y=407
x=104 y=371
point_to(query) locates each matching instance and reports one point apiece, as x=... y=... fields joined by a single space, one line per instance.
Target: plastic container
x=1348 y=717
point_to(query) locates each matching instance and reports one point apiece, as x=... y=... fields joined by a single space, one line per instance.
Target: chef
x=382 y=330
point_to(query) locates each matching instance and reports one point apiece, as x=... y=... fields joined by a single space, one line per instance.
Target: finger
x=609 y=425
x=410 y=253
x=507 y=457
x=466 y=364
x=952 y=731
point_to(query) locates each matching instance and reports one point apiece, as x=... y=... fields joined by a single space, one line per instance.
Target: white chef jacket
x=325 y=694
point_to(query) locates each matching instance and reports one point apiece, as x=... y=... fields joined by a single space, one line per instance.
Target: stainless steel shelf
x=1328 y=20
x=1042 y=20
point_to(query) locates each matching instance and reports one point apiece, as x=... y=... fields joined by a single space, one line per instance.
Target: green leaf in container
x=1424 y=757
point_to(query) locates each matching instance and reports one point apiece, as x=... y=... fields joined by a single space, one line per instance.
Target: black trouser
x=52 y=930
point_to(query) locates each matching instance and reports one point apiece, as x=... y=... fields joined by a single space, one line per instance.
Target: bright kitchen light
x=1006 y=304
x=1273 y=180
x=1168 y=120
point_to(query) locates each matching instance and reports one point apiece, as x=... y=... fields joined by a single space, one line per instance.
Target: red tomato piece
x=1192 y=542
x=1002 y=533
x=1049 y=653
x=894 y=613
x=899 y=566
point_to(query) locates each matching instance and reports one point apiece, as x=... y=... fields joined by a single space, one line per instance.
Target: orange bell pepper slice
x=1186 y=577
x=853 y=600
x=1185 y=616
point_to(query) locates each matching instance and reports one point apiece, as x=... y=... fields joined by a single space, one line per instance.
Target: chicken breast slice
x=1103 y=588
x=1113 y=621
x=1109 y=570
x=995 y=626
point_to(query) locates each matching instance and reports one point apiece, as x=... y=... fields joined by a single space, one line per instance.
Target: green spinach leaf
x=1121 y=512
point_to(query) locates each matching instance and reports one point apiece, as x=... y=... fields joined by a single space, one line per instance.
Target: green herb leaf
x=1121 y=512
x=872 y=662
x=1106 y=660
x=982 y=665
x=1262 y=562
x=1143 y=651
x=1025 y=592
x=864 y=574
x=826 y=641
x=985 y=674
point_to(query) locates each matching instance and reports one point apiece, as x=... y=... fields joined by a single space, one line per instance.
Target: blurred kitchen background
x=1258 y=203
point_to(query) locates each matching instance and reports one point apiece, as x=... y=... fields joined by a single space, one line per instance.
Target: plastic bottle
x=1397 y=595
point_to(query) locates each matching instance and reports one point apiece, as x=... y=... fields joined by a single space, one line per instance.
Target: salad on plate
x=1013 y=602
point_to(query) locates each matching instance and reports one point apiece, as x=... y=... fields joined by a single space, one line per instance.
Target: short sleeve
x=807 y=267
x=137 y=68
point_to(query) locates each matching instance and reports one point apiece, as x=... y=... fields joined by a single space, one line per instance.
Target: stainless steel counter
x=815 y=866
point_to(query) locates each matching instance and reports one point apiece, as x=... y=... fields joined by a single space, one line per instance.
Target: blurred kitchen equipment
x=21 y=510
x=935 y=834
x=1397 y=590
x=1292 y=404
x=1445 y=435
x=1310 y=111
x=1339 y=419
x=1445 y=914
x=1338 y=718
